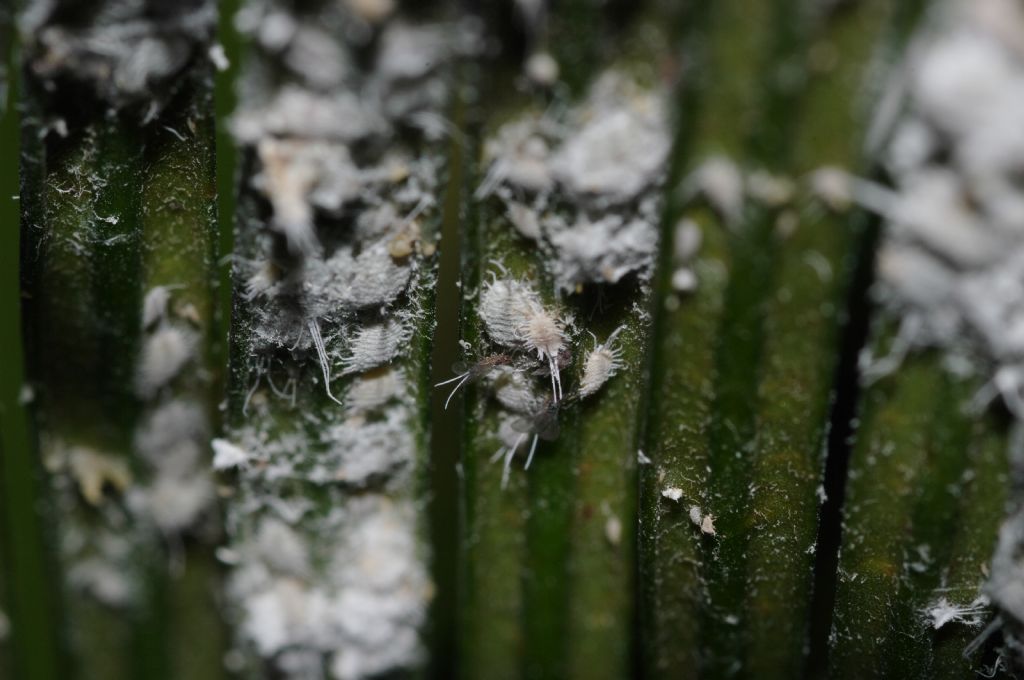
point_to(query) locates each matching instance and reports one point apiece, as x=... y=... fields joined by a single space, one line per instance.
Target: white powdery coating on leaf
x=371 y=279
x=103 y=566
x=167 y=427
x=622 y=147
x=171 y=438
x=226 y=455
x=295 y=175
x=606 y=158
x=673 y=493
x=524 y=219
x=125 y=55
x=165 y=353
x=375 y=345
x=102 y=580
x=519 y=155
x=604 y=250
x=174 y=501
x=719 y=180
x=410 y=52
x=371 y=392
x=297 y=112
x=366 y=604
x=337 y=588
x=952 y=261
x=943 y=612
x=363 y=451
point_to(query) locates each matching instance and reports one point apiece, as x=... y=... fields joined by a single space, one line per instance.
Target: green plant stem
x=549 y=562
x=278 y=430
x=122 y=208
x=981 y=509
x=801 y=353
x=683 y=408
x=225 y=100
x=743 y=367
x=923 y=467
x=494 y=546
x=32 y=647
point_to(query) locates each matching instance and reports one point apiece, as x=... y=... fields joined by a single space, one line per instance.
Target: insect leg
x=533 y=449
x=508 y=460
x=321 y=351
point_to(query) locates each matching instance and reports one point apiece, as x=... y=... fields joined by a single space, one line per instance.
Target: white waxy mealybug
x=514 y=316
x=514 y=390
x=542 y=333
x=601 y=364
x=542 y=425
x=706 y=523
x=374 y=345
x=503 y=304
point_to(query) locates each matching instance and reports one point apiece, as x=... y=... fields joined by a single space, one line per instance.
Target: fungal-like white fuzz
x=673 y=493
x=942 y=612
x=227 y=455
x=601 y=364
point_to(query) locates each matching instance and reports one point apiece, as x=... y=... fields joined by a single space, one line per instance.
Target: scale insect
x=514 y=316
x=542 y=333
x=474 y=372
x=542 y=425
x=601 y=364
